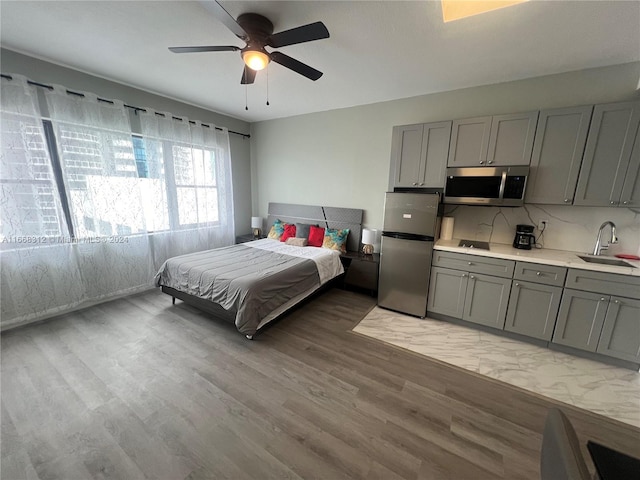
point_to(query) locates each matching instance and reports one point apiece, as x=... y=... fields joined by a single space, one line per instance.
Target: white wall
x=341 y=157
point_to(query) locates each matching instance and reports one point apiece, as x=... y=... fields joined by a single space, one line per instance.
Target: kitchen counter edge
x=561 y=258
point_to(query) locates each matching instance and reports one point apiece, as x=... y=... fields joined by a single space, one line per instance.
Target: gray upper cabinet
x=511 y=139
x=608 y=156
x=493 y=141
x=469 y=142
x=406 y=150
x=419 y=155
x=620 y=336
x=559 y=144
x=631 y=188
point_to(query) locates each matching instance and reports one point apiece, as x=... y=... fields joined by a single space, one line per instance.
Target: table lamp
x=256 y=225
x=368 y=239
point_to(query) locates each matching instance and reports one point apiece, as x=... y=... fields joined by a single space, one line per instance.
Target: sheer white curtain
x=196 y=163
x=131 y=202
x=39 y=272
x=104 y=192
x=29 y=202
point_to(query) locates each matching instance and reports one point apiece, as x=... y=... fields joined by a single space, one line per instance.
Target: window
x=82 y=174
x=29 y=200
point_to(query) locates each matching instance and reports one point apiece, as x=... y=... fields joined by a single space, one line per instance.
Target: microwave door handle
x=502 y=184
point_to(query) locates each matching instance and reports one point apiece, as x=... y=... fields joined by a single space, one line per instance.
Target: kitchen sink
x=605 y=261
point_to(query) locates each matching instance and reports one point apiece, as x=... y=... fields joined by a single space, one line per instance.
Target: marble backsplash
x=569 y=227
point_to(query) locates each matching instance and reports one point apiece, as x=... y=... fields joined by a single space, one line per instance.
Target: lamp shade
x=256 y=222
x=369 y=236
x=255 y=59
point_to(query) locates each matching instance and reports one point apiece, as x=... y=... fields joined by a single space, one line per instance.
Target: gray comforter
x=251 y=281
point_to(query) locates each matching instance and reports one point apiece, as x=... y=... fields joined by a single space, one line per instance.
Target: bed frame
x=326 y=217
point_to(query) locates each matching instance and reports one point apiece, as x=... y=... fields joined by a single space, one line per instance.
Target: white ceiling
x=378 y=50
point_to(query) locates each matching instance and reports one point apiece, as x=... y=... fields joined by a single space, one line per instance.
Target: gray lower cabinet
x=473 y=297
x=608 y=164
x=580 y=319
x=486 y=300
x=557 y=154
x=447 y=290
x=533 y=308
x=620 y=336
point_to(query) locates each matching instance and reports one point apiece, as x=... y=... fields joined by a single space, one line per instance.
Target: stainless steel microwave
x=504 y=186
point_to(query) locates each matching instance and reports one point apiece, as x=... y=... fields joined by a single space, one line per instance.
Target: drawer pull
x=470 y=263
x=538 y=273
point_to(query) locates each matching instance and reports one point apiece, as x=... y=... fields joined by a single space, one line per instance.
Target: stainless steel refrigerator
x=408 y=233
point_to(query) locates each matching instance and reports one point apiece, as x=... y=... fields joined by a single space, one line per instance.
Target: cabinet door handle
x=602 y=299
x=464 y=275
x=421 y=184
x=612 y=202
x=625 y=202
x=538 y=273
x=415 y=183
x=481 y=162
x=490 y=162
x=616 y=301
x=517 y=284
x=470 y=263
x=471 y=277
x=567 y=200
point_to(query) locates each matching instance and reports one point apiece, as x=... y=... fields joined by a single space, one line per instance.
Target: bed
x=253 y=283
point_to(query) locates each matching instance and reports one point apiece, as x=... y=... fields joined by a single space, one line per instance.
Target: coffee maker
x=524 y=238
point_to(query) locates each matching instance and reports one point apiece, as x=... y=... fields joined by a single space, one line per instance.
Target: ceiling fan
x=257 y=32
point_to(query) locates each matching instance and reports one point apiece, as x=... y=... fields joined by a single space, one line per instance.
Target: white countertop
x=560 y=258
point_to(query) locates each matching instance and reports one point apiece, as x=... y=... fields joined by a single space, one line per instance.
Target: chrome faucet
x=597 y=249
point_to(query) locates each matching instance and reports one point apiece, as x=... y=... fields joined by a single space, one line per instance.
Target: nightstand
x=361 y=271
x=247 y=238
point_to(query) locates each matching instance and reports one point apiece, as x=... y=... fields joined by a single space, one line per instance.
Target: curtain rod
x=132 y=107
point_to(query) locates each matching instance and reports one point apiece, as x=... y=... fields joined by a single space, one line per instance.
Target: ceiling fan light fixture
x=255 y=59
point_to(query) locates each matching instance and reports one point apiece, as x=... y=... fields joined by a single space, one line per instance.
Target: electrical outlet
x=542 y=224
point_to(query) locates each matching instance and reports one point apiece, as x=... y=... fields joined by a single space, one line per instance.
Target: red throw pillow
x=289 y=231
x=316 y=236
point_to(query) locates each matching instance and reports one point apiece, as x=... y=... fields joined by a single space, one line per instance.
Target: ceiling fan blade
x=305 y=33
x=295 y=65
x=248 y=76
x=226 y=18
x=219 y=48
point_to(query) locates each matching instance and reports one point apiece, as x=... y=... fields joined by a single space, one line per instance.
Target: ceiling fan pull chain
x=267 y=85
x=246 y=95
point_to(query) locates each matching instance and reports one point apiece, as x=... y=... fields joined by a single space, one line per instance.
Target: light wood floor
x=138 y=388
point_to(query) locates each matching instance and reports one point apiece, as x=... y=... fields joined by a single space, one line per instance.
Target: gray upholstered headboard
x=326 y=217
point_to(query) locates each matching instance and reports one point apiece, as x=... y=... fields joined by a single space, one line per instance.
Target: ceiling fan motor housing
x=259 y=28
